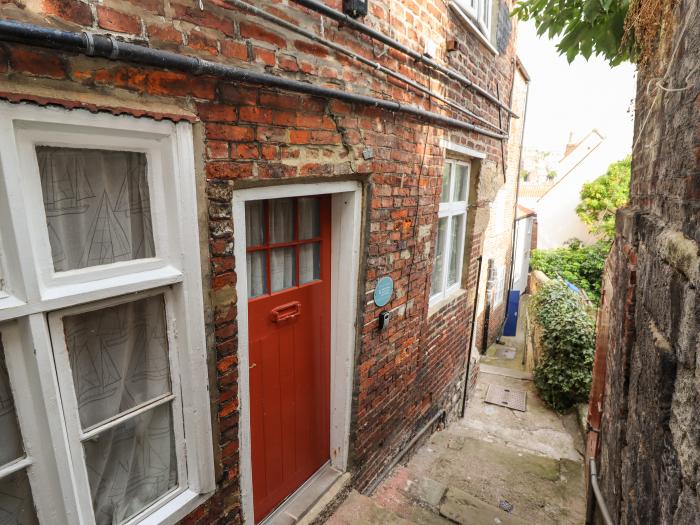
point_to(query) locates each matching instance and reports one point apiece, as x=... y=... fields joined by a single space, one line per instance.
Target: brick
x=217 y=112
x=265 y=56
x=164 y=33
x=245 y=151
x=113 y=20
x=311 y=48
x=256 y=114
x=230 y=132
x=233 y=49
x=180 y=84
x=37 y=62
x=229 y=170
x=258 y=33
x=70 y=10
x=201 y=42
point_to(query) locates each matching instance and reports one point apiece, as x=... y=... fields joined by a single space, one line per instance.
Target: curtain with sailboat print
x=120 y=365
x=97 y=206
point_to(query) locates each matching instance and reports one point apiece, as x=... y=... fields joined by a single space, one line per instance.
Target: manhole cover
x=505 y=352
x=506 y=397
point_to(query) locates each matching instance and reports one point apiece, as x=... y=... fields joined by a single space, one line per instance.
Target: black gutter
x=106 y=47
x=381 y=37
x=261 y=13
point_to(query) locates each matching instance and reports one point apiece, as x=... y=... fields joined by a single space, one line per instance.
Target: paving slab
x=361 y=510
x=465 y=509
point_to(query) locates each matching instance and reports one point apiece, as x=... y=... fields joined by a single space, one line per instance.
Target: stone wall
x=649 y=450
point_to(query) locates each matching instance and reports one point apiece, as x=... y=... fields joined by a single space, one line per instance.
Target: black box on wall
x=355 y=8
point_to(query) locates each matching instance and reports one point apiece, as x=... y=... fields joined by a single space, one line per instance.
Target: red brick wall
x=247 y=134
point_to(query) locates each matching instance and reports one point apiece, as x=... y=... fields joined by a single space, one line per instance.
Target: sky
x=575 y=97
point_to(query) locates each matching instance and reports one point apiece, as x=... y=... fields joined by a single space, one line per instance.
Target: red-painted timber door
x=289 y=285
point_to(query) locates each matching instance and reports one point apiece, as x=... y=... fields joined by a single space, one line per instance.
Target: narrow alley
x=495 y=465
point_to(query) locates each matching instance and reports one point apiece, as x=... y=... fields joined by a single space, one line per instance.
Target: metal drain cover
x=506 y=397
x=505 y=352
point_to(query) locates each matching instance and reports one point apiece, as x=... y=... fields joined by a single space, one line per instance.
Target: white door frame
x=345 y=261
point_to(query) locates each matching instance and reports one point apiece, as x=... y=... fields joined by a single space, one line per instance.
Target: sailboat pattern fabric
x=97 y=206
x=119 y=361
x=16 y=504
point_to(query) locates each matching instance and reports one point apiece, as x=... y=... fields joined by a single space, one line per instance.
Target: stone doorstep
x=311 y=499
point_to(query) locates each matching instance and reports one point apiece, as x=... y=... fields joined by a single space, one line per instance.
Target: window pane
x=283 y=273
x=446 y=177
x=97 y=206
x=309 y=262
x=438 y=267
x=16 y=503
x=118 y=357
x=281 y=220
x=309 y=218
x=10 y=437
x=254 y=223
x=131 y=465
x=460 y=191
x=257 y=274
x=456 y=236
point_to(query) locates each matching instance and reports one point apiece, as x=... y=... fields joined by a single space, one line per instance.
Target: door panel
x=289 y=350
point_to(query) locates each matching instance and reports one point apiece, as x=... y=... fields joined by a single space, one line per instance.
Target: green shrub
x=578 y=264
x=563 y=374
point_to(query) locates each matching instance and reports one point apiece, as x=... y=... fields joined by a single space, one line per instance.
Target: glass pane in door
x=97 y=206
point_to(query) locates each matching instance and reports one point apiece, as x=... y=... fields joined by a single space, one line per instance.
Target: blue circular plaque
x=383 y=291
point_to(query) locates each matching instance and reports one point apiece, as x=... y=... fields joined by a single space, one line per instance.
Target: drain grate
x=506 y=397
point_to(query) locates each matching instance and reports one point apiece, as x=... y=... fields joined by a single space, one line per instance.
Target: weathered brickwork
x=648 y=446
x=248 y=135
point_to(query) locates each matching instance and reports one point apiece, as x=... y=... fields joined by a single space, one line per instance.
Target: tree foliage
x=601 y=198
x=578 y=264
x=563 y=374
x=585 y=27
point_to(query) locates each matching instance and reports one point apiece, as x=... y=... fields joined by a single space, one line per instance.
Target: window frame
x=480 y=12
x=452 y=210
x=36 y=293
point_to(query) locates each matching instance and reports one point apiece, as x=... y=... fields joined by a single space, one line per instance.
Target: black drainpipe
x=465 y=394
x=487 y=309
x=103 y=46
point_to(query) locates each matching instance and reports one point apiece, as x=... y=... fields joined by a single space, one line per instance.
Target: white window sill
x=176 y=509
x=441 y=301
x=471 y=26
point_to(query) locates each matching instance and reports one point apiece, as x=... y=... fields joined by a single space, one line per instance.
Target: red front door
x=288 y=266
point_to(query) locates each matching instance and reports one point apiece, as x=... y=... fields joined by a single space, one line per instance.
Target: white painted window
x=102 y=330
x=452 y=222
x=480 y=12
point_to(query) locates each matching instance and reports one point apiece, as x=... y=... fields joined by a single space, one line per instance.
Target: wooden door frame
x=346 y=218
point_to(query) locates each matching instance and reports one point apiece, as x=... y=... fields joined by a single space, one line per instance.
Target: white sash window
x=104 y=406
x=480 y=12
x=452 y=223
